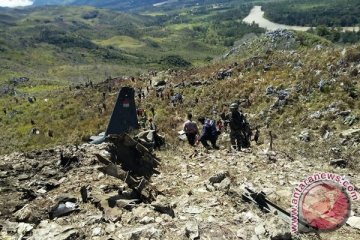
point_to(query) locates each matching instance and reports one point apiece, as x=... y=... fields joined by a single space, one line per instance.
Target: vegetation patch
x=121 y=42
x=174 y=61
x=331 y=13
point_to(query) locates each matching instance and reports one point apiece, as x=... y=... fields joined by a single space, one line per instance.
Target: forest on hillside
x=330 y=13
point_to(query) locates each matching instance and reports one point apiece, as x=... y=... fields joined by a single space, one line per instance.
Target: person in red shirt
x=191 y=130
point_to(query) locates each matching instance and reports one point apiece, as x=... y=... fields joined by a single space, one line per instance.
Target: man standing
x=209 y=133
x=191 y=130
x=158 y=141
x=238 y=128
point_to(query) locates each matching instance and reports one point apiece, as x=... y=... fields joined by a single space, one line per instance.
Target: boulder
x=354 y=222
x=351 y=134
x=192 y=230
x=148 y=231
x=338 y=162
x=54 y=231
x=218 y=177
x=159 y=83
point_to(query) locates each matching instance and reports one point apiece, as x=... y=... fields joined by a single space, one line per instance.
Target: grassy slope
x=120 y=43
x=79 y=116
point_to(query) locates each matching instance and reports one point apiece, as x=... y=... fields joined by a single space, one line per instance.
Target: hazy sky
x=14 y=3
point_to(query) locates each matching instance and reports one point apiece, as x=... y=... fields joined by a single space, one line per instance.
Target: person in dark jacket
x=208 y=133
x=239 y=128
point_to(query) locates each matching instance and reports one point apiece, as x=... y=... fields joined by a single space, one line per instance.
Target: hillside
x=331 y=13
x=111 y=4
x=61 y=68
x=278 y=86
x=293 y=69
x=66 y=44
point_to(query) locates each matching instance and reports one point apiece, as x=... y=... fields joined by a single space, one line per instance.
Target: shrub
x=353 y=55
x=175 y=62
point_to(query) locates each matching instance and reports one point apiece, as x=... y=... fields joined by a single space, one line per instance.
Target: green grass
x=121 y=42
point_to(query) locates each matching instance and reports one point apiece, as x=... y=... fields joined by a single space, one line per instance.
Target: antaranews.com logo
x=321 y=202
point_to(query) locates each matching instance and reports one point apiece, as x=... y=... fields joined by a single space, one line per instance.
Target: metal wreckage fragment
x=132 y=163
x=259 y=198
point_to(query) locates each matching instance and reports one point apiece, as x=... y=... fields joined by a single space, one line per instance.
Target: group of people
x=240 y=132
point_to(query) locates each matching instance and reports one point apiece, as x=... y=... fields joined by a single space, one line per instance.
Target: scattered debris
x=338 y=162
x=63 y=207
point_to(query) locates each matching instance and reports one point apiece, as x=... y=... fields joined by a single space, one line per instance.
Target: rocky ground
x=197 y=195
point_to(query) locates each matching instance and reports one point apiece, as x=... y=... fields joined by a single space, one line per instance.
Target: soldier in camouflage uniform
x=239 y=128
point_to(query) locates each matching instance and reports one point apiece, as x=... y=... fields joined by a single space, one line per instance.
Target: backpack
x=210 y=127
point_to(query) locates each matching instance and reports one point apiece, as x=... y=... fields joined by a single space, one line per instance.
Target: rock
x=284 y=193
x=196 y=83
x=159 y=219
x=354 y=222
x=4 y=174
x=23 y=177
x=316 y=115
x=260 y=230
x=267 y=67
x=143 y=232
x=54 y=231
x=110 y=228
x=249 y=217
x=141 y=212
x=224 y=185
x=164 y=208
x=351 y=134
x=193 y=210
x=218 y=177
x=282 y=95
x=24 y=229
x=147 y=220
x=344 y=113
x=338 y=162
x=277 y=229
x=254 y=237
x=209 y=187
x=97 y=231
x=223 y=74
x=84 y=194
x=241 y=233
x=322 y=85
x=350 y=120
x=160 y=88
x=269 y=90
x=304 y=136
x=278 y=235
x=159 y=83
x=23 y=214
x=19 y=80
x=354 y=72
x=192 y=230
